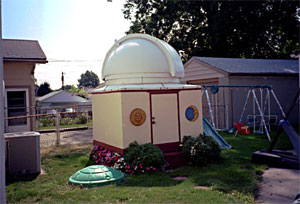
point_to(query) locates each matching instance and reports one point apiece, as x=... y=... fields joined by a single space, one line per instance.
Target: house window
x=16 y=106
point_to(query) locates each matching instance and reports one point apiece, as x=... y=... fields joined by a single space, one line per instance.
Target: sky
x=74 y=34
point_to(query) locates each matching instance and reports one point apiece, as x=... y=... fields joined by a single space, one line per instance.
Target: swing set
x=260 y=119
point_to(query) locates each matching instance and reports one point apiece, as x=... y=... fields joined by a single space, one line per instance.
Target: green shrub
x=138 y=159
x=80 y=119
x=47 y=121
x=201 y=150
x=66 y=121
x=147 y=155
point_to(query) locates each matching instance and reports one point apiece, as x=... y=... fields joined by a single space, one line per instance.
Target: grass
x=233 y=180
x=90 y=123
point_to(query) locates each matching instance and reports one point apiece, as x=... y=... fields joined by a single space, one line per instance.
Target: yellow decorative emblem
x=191 y=113
x=137 y=117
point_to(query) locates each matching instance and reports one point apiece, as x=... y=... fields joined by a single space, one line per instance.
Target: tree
x=44 y=89
x=78 y=91
x=242 y=29
x=88 y=80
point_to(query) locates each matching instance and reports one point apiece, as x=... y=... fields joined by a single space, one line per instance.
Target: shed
x=281 y=74
x=19 y=60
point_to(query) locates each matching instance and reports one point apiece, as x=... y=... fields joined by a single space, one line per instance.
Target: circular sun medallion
x=137 y=116
x=191 y=113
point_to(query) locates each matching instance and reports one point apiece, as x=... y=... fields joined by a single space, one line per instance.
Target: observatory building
x=142 y=99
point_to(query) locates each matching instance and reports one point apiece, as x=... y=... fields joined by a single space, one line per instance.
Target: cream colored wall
x=141 y=134
x=187 y=98
x=18 y=75
x=107 y=119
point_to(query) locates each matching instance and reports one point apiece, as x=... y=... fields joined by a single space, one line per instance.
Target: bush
x=201 y=150
x=104 y=156
x=66 y=121
x=80 y=119
x=137 y=158
x=144 y=155
x=47 y=121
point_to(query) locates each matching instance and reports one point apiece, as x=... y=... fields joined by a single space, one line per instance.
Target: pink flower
x=154 y=169
x=148 y=169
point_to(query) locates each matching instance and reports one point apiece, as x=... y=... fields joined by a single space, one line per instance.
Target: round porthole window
x=191 y=113
x=137 y=116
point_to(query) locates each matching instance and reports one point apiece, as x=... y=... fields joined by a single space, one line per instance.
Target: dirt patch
x=48 y=150
x=180 y=178
x=202 y=187
x=43 y=172
x=67 y=137
x=170 y=171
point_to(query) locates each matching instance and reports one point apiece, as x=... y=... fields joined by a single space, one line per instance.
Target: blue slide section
x=210 y=131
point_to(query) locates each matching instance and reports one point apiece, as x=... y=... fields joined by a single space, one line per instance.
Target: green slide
x=210 y=131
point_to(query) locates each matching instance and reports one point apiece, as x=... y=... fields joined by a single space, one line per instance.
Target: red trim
x=163 y=91
x=111 y=148
x=154 y=91
x=178 y=112
x=169 y=147
x=165 y=147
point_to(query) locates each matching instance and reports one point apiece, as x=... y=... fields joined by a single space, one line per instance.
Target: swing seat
x=258 y=132
x=244 y=130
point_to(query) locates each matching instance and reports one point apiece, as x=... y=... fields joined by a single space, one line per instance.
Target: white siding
x=197 y=70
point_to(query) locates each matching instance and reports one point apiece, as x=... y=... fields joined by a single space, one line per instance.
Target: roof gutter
x=35 y=60
x=263 y=74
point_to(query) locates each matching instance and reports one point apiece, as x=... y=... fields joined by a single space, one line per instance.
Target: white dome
x=141 y=59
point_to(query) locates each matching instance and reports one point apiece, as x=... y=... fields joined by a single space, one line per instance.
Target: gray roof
x=23 y=50
x=60 y=97
x=252 y=66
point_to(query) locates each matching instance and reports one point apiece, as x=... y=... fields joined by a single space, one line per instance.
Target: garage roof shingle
x=252 y=66
x=23 y=50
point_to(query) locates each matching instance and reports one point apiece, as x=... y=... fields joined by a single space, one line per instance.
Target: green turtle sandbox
x=96 y=175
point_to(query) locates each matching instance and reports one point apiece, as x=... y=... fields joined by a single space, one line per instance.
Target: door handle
x=152 y=121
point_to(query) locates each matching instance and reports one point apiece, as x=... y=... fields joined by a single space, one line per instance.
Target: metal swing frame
x=265 y=104
x=260 y=106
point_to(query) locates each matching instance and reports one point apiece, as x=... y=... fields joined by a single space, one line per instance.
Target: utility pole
x=2 y=142
x=62 y=81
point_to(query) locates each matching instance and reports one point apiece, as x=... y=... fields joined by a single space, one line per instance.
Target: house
x=66 y=101
x=19 y=61
x=282 y=75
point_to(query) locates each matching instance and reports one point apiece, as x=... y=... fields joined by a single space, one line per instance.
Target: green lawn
x=90 y=123
x=233 y=180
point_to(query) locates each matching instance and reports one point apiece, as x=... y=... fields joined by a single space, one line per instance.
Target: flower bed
x=104 y=156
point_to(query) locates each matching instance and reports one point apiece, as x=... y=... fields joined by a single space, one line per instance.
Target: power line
x=77 y=60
